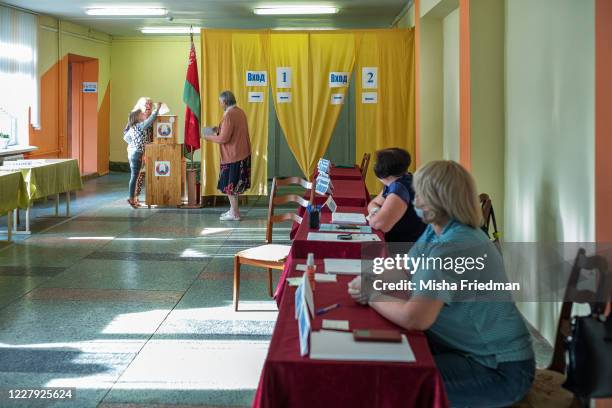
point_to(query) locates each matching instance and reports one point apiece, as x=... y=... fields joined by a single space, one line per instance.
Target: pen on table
x=327 y=309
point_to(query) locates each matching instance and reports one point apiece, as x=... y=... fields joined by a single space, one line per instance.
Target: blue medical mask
x=419 y=212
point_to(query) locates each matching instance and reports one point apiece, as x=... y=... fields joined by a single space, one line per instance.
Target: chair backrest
x=488 y=216
x=277 y=199
x=598 y=301
x=365 y=163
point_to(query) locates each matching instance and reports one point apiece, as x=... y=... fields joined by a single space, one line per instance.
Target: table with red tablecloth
x=289 y=380
x=345 y=173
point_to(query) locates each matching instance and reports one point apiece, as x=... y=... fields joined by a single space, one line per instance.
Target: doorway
x=82 y=121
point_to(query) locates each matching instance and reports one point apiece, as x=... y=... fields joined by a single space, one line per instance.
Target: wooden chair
x=488 y=215
x=365 y=163
x=271 y=256
x=547 y=390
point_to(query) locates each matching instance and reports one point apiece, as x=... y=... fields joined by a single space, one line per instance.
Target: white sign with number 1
x=283 y=77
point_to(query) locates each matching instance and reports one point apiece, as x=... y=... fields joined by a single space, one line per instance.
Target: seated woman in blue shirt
x=392 y=211
x=478 y=338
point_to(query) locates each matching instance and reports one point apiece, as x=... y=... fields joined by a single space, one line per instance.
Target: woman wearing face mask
x=479 y=340
x=392 y=211
x=232 y=135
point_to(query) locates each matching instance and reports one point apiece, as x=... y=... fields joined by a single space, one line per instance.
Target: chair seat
x=547 y=392
x=266 y=253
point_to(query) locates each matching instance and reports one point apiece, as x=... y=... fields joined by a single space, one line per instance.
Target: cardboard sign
x=323 y=165
x=337 y=99
x=283 y=77
x=256 y=97
x=283 y=97
x=338 y=79
x=369 y=77
x=331 y=204
x=304 y=310
x=256 y=78
x=369 y=97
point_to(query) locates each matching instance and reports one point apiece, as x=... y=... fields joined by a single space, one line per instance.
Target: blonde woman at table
x=479 y=340
x=392 y=211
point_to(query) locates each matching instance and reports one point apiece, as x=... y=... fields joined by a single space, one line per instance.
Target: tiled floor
x=133 y=307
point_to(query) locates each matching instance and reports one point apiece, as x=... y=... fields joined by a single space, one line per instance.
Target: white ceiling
x=218 y=14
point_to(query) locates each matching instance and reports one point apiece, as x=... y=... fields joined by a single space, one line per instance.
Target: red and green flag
x=191 y=97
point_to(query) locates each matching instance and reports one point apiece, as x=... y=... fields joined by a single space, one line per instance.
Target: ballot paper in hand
x=342 y=266
x=209 y=131
x=348 y=218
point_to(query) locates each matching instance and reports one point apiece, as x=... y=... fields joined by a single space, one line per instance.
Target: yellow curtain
x=309 y=118
x=390 y=121
x=329 y=53
x=227 y=56
x=290 y=51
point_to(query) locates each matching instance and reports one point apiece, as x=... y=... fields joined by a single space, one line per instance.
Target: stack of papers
x=335 y=345
x=348 y=218
x=342 y=266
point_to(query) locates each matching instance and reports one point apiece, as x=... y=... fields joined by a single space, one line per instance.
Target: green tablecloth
x=49 y=178
x=12 y=191
x=53 y=177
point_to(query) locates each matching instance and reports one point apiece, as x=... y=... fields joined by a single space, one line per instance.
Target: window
x=18 y=73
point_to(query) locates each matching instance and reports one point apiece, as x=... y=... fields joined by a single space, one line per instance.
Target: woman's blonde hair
x=450 y=191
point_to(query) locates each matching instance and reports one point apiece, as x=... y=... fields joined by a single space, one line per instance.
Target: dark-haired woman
x=392 y=210
x=136 y=138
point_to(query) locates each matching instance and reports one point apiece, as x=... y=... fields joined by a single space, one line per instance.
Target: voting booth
x=165 y=172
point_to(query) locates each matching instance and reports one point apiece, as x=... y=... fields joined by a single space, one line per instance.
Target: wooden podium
x=164 y=164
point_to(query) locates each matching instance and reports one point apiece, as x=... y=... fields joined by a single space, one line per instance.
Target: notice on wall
x=369 y=97
x=283 y=97
x=337 y=99
x=369 y=77
x=162 y=169
x=256 y=78
x=283 y=77
x=90 y=87
x=256 y=97
x=338 y=79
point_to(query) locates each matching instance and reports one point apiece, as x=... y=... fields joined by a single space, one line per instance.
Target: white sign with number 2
x=369 y=77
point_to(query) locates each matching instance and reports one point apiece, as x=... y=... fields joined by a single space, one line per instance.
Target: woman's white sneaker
x=229 y=217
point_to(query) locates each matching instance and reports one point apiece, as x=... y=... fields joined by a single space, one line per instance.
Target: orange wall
x=603 y=120
x=51 y=138
x=465 y=142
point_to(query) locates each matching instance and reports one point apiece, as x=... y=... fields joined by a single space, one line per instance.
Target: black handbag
x=589 y=347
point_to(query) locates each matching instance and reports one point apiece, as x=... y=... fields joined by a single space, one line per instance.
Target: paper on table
x=323 y=277
x=294 y=281
x=342 y=266
x=335 y=345
x=322 y=236
x=348 y=218
x=335 y=324
x=346 y=229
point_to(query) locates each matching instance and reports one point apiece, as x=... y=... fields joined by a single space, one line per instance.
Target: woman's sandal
x=133 y=203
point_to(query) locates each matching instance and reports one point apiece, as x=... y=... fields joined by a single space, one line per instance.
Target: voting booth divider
x=165 y=167
x=307 y=73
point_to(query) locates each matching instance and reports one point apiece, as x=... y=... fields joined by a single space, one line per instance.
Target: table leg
x=15 y=219
x=27 y=221
x=57 y=198
x=9 y=224
x=67 y=203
